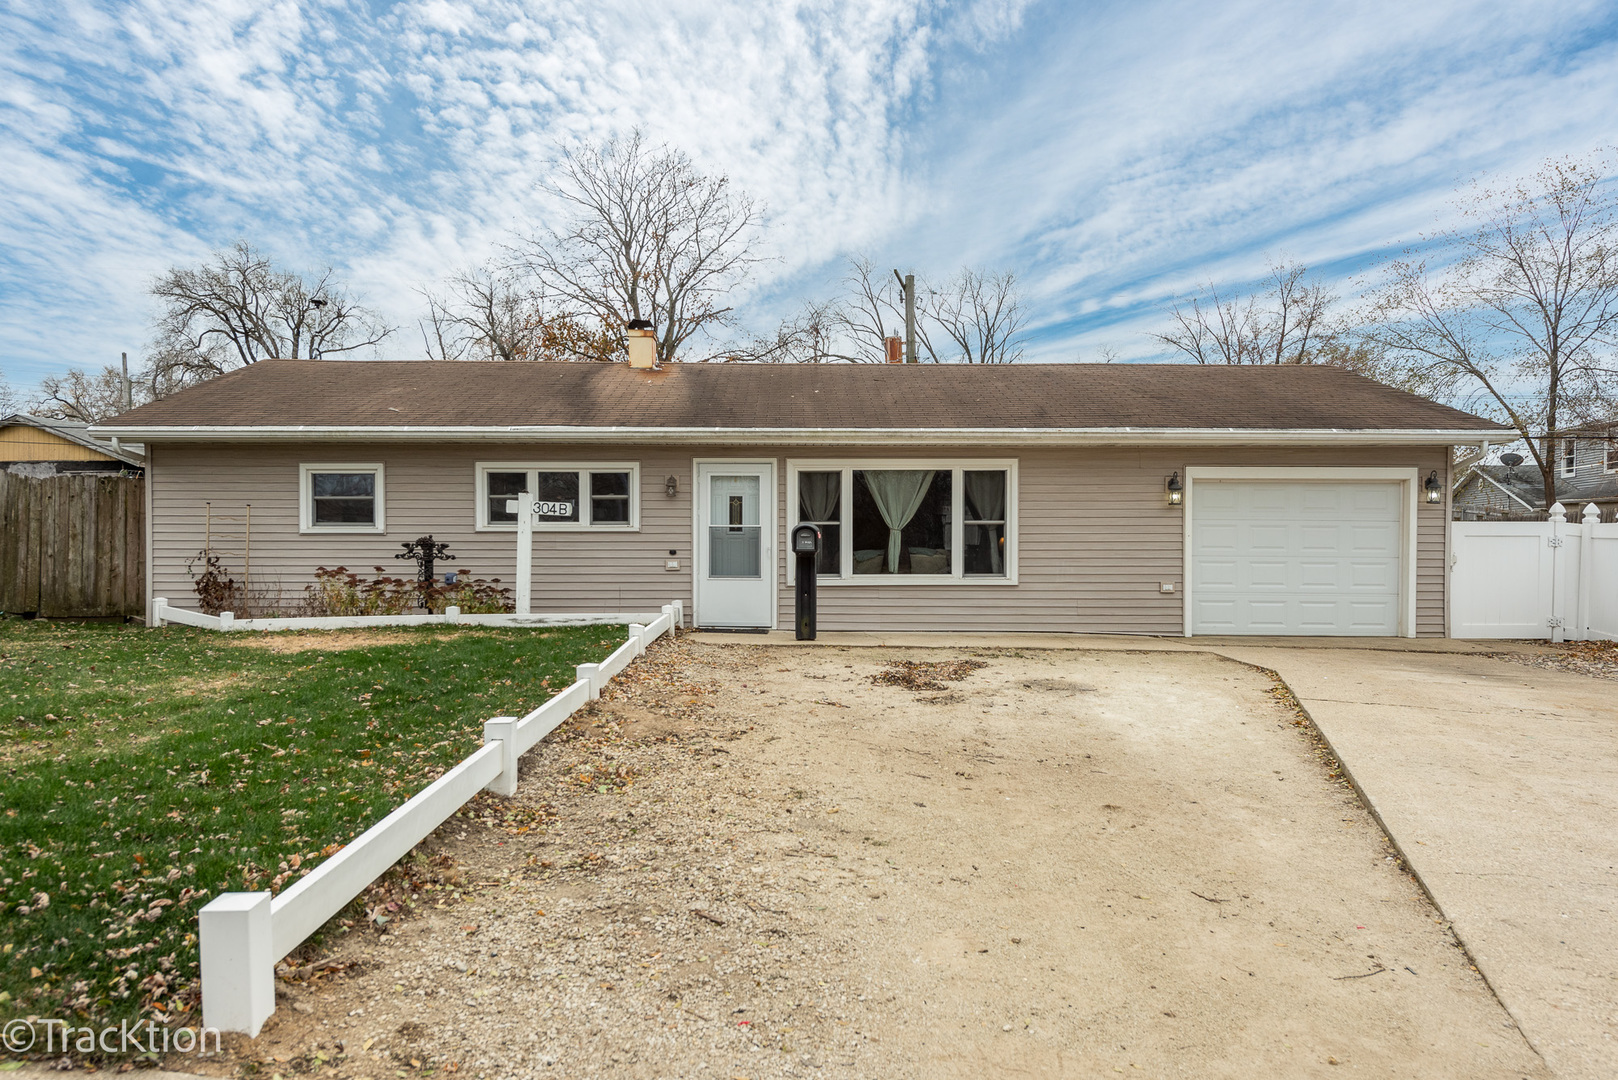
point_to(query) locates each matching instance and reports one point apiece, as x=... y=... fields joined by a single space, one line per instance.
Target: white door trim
x=768 y=513
x=1410 y=478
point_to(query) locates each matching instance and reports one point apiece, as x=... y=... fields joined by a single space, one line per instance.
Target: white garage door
x=1274 y=557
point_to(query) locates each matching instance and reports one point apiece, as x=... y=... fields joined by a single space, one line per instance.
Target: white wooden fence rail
x=164 y=612
x=243 y=935
x=1551 y=579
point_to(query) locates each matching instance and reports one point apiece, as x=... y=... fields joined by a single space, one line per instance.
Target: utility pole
x=908 y=284
x=129 y=389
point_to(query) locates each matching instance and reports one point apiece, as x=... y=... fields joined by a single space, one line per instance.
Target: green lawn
x=147 y=771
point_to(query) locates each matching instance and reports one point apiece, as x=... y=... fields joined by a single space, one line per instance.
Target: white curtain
x=986 y=501
x=817 y=492
x=898 y=494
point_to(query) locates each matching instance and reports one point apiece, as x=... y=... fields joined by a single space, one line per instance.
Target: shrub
x=339 y=592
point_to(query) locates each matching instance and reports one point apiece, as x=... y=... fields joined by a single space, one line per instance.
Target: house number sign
x=541 y=509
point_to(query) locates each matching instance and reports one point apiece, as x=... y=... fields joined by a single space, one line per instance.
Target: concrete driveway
x=1499 y=783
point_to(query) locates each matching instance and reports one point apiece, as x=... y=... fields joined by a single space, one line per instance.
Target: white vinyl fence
x=243 y=935
x=164 y=612
x=1551 y=579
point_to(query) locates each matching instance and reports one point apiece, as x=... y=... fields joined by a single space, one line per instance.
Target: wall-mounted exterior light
x=671 y=486
x=1435 y=490
x=1174 y=489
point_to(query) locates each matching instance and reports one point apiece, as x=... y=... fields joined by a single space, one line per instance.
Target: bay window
x=568 y=497
x=909 y=522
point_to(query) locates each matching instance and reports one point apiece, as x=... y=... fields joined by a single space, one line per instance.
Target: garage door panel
x=1219 y=616
x=1219 y=537
x=1368 y=617
x=1296 y=557
x=1218 y=573
x=1316 y=574
x=1314 y=539
x=1380 y=499
x=1378 y=576
x=1378 y=539
x=1268 y=574
x=1268 y=538
x=1266 y=616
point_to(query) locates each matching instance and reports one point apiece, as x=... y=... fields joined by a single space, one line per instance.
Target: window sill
x=908 y=579
x=341 y=530
x=512 y=529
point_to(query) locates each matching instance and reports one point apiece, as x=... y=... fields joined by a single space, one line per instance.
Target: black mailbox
x=806 y=546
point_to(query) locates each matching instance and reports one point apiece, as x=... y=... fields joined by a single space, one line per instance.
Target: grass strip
x=147 y=771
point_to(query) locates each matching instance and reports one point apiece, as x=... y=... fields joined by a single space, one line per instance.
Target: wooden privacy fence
x=73 y=545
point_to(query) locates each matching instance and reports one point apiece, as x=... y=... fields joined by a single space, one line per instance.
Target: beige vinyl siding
x=1095 y=534
x=429 y=489
x=1096 y=537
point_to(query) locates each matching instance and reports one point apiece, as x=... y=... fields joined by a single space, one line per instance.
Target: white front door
x=1309 y=557
x=736 y=545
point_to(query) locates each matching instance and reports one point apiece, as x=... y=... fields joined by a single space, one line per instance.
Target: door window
x=735 y=536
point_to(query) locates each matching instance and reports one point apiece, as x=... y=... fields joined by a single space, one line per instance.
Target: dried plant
x=338 y=591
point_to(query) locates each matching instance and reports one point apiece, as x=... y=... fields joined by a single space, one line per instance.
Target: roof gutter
x=801 y=436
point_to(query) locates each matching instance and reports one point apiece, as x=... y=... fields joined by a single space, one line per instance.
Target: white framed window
x=572 y=496
x=341 y=498
x=908 y=522
x=1570 y=456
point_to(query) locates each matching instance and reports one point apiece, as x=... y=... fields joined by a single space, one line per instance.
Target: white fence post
x=1587 y=569
x=589 y=673
x=1558 y=520
x=637 y=634
x=674 y=619
x=238 y=962
x=523 y=505
x=227 y=620
x=679 y=614
x=158 y=604
x=452 y=614
x=503 y=730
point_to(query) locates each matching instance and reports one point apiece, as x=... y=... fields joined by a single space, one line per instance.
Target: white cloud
x=1113 y=155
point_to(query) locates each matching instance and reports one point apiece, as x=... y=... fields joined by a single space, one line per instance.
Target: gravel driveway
x=758 y=862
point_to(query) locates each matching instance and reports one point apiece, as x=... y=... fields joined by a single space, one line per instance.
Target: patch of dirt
x=1597 y=659
x=1057 y=686
x=192 y=687
x=921 y=675
x=294 y=641
x=807 y=874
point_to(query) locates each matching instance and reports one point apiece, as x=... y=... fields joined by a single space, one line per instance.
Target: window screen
x=343 y=498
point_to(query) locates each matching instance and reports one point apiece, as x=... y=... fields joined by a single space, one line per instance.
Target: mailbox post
x=806 y=546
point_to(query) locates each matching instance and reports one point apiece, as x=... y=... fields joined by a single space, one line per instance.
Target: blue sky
x=1113 y=155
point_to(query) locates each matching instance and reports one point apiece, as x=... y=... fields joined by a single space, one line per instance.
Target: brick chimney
x=642 y=346
x=893 y=348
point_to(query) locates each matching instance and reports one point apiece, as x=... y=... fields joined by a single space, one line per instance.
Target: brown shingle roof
x=359 y=394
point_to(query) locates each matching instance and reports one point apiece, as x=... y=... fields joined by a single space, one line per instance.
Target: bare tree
x=493 y=313
x=807 y=337
x=8 y=397
x=976 y=318
x=238 y=309
x=650 y=238
x=88 y=397
x=1515 y=314
x=1287 y=323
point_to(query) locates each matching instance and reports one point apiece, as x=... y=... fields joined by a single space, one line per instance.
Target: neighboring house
x=1586 y=472
x=39 y=446
x=951 y=498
